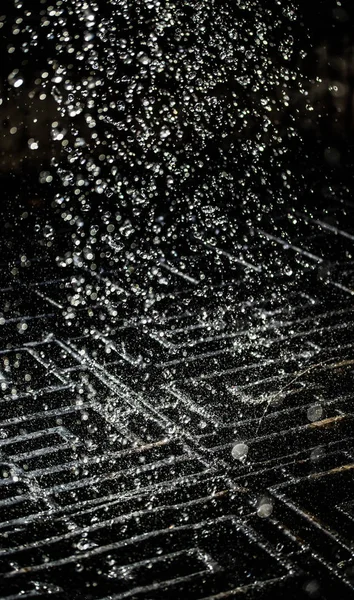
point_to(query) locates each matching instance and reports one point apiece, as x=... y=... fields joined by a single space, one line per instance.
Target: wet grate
x=185 y=427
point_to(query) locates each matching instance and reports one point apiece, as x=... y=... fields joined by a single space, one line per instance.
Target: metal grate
x=185 y=427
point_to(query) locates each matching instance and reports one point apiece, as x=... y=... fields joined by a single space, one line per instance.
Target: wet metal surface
x=185 y=430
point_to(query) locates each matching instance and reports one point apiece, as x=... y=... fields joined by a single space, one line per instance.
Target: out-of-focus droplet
x=314 y=413
x=265 y=508
x=240 y=451
x=15 y=79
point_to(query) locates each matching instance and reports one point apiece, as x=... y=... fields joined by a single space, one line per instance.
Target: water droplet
x=314 y=413
x=265 y=508
x=240 y=451
x=164 y=133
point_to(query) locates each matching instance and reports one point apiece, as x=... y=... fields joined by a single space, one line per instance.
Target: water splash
x=169 y=115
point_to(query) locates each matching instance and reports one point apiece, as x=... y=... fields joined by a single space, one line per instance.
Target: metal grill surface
x=182 y=428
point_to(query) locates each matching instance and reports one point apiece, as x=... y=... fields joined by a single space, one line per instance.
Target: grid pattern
x=182 y=424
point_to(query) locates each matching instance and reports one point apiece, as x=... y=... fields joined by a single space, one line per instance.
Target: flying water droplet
x=314 y=413
x=164 y=133
x=240 y=451
x=15 y=79
x=265 y=508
